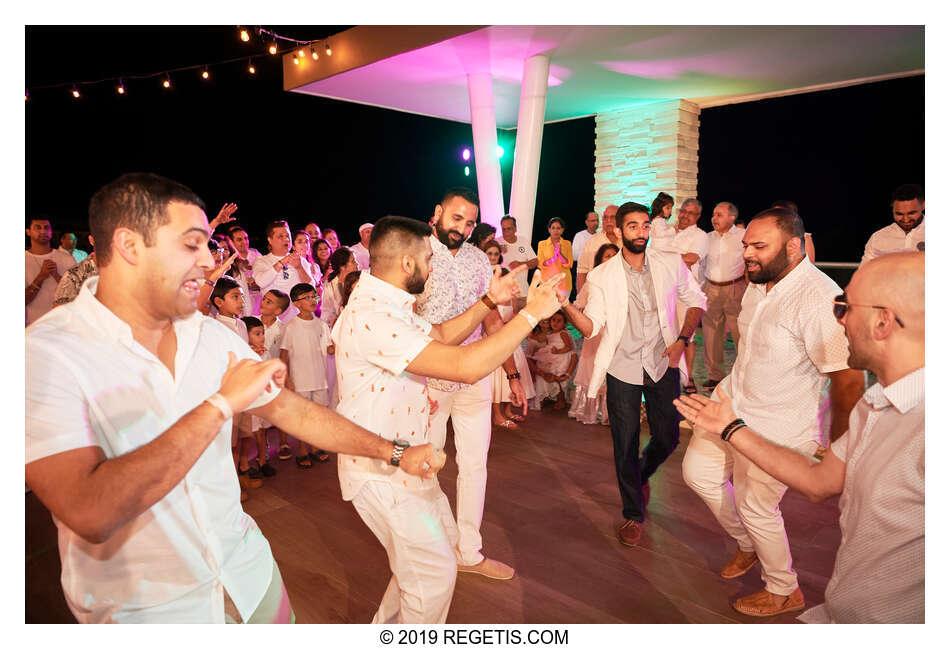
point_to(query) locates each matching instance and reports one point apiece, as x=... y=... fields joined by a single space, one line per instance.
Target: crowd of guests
x=439 y=319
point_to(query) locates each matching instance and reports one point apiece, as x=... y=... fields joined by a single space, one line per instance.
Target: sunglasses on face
x=840 y=307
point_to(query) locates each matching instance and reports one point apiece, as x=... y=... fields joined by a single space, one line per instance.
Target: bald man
x=878 y=464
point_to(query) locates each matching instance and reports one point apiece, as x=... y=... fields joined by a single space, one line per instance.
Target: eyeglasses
x=306 y=297
x=841 y=306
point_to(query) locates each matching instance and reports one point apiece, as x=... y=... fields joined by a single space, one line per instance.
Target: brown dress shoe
x=740 y=564
x=629 y=532
x=766 y=604
x=490 y=568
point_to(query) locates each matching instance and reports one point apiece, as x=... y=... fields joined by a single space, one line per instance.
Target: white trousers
x=419 y=534
x=470 y=409
x=747 y=507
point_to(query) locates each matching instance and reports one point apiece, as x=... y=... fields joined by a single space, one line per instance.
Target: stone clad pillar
x=642 y=151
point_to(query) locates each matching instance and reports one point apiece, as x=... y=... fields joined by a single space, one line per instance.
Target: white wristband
x=530 y=318
x=218 y=401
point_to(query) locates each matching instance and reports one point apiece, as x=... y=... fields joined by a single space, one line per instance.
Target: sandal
x=266 y=469
x=509 y=424
x=690 y=388
x=285 y=453
x=320 y=455
x=300 y=459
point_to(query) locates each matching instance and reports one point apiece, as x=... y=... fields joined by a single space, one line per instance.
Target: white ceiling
x=601 y=68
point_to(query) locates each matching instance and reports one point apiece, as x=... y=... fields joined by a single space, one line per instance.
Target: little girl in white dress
x=555 y=362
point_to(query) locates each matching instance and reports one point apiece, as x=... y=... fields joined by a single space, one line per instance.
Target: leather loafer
x=766 y=604
x=629 y=533
x=490 y=568
x=740 y=564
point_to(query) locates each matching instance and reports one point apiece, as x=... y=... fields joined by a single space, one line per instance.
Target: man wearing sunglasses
x=878 y=465
x=790 y=345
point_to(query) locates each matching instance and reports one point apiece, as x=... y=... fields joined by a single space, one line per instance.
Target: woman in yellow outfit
x=555 y=254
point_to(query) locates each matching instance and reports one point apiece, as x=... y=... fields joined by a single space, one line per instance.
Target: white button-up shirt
x=89 y=383
x=283 y=280
x=879 y=571
x=788 y=340
x=724 y=261
x=893 y=239
x=361 y=254
x=377 y=335
x=581 y=238
x=455 y=283
x=694 y=240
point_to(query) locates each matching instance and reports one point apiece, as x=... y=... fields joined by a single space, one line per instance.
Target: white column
x=481 y=98
x=524 y=175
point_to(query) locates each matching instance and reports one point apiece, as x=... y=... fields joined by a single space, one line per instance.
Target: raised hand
x=215 y=274
x=247 y=379
x=543 y=298
x=503 y=289
x=224 y=215
x=703 y=412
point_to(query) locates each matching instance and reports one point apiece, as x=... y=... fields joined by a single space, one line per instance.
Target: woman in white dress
x=502 y=413
x=584 y=409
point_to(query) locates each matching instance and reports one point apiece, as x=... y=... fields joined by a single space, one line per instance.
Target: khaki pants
x=722 y=310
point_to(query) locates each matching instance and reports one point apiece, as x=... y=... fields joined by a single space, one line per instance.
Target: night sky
x=277 y=154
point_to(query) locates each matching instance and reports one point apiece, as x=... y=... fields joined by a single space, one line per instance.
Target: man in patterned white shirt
x=724 y=288
x=878 y=465
x=384 y=354
x=460 y=276
x=907 y=230
x=790 y=345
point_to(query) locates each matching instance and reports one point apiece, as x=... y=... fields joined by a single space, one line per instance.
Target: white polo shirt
x=377 y=335
x=788 y=340
x=89 y=383
x=893 y=239
x=724 y=261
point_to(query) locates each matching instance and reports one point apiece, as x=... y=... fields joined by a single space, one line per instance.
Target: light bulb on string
x=273 y=47
x=296 y=59
x=329 y=51
x=120 y=89
x=75 y=92
x=300 y=52
x=313 y=52
x=244 y=35
x=167 y=82
x=250 y=67
x=205 y=74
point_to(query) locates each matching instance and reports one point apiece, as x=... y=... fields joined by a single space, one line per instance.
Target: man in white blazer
x=633 y=299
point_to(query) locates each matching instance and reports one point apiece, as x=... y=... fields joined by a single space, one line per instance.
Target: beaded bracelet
x=729 y=430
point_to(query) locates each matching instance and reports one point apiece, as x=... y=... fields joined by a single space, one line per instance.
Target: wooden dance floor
x=551 y=511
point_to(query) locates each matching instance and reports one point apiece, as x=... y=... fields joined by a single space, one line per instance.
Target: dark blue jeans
x=623 y=407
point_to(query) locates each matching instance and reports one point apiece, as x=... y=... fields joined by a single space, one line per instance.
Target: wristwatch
x=399 y=447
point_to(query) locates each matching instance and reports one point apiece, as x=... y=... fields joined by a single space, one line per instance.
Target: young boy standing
x=252 y=425
x=228 y=298
x=304 y=349
x=272 y=305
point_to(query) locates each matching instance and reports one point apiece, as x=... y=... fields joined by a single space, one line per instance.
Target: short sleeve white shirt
x=577 y=245
x=724 y=261
x=585 y=257
x=377 y=335
x=43 y=301
x=788 y=340
x=361 y=253
x=893 y=239
x=879 y=570
x=284 y=280
x=693 y=240
x=89 y=383
x=273 y=334
x=306 y=342
x=234 y=324
x=520 y=250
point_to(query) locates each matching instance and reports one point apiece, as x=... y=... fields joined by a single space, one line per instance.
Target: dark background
x=243 y=139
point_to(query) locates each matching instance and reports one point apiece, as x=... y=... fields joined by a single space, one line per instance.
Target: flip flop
x=509 y=424
x=689 y=388
x=285 y=453
x=300 y=459
x=320 y=456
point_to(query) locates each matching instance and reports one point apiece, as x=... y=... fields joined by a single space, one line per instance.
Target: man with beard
x=460 y=276
x=130 y=393
x=907 y=230
x=384 y=354
x=633 y=299
x=44 y=268
x=879 y=570
x=790 y=345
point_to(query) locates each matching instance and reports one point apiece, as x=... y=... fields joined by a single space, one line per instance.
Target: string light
x=273 y=47
x=329 y=51
x=205 y=74
x=313 y=53
x=27 y=95
x=244 y=35
x=120 y=88
x=300 y=52
x=296 y=60
x=250 y=67
x=75 y=91
x=167 y=82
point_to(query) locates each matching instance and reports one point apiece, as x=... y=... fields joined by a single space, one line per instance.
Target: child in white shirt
x=304 y=349
x=273 y=304
x=251 y=425
x=228 y=298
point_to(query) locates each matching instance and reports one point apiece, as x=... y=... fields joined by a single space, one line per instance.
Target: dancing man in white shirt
x=878 y=465
x=725 y=286
x=384 y=354
x=907 y=230
x=790 y=345
x=130 y=394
